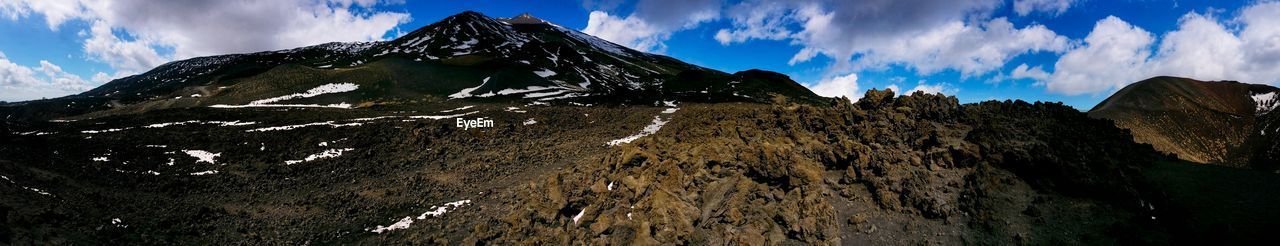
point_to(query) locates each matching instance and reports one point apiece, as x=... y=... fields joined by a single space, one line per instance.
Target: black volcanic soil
x=918 y=169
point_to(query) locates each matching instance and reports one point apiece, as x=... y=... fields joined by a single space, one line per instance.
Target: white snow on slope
x=530 y=121
x=335 y=105
x=291 y=127
x=402 y=224
x=331 y=153
x=319 y=90
x=219 y=123
x=648 y=130
x=1265 y=102
x=545 y=94
x=435 y=211
x=37 y=191
x=545 y=73
x=510 y=91
x=457 y=109
x=205 y=173
x=467 y=92
x=203 y=156
x=437 y=117
x=579 y=216
x=107 y=130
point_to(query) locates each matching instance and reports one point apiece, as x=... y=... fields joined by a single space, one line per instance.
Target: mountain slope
x=1206 y=122
x=521 y=58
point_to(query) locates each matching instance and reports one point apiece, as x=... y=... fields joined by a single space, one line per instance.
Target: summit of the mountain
x=523 y=19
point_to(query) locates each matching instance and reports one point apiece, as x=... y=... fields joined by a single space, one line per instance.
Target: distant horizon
x=1070 y=51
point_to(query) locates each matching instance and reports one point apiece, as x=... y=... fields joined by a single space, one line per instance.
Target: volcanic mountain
x=1219 y=122
x=468 y=56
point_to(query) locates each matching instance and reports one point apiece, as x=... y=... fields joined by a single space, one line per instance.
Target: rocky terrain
x=919 y=168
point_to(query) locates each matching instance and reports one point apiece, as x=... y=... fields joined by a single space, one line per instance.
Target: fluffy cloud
x=927 y=36
x=18 y=82
x=630 y=31
x=124 y=56
x=1108 y=59
x=763 y=20
x=1116 y=53
x=925 y=88
x=135 y=35
x=1052 y=7
x=1034 y=73
x=930 y=89
x=652 y=22
x=838 y=86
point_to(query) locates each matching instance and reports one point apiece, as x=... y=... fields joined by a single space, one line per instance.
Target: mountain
x=1220 y=122
x=468 y=56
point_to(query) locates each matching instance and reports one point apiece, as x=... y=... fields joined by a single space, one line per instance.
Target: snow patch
x=579 y=216
x=203 y=156
x=402 y=224
x=37 y=191
x=205 y=173
x=105 y=131
x=545 y=73
x=457 y=109
x=648 y=130
x=435 y=211
x=331 y=153
x=1265 y=102
x=437 y=117
x=530 y=121
x=33 y=133
x=319 y=90
x=335 y=105
x=467 y=92
x=291 y=127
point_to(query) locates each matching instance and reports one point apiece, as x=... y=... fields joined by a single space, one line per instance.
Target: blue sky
x=1075 y=51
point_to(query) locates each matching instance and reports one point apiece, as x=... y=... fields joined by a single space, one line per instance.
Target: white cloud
x=1034 y=73
x=927 y=89
x=631 y=31
x=1051 y=7
x=1202 y=47
x=761 y=20
x=18 y=82
x=894 y=88
x=928 y=36
x=1111 y=57
x=124 y=56
x=838 y=86
x=970 y=49
x=652 y=23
